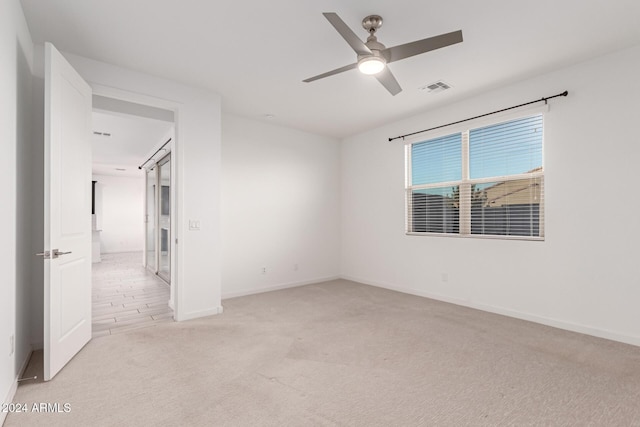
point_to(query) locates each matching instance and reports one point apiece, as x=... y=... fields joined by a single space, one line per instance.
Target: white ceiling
x=256 y=53
x=132 y=140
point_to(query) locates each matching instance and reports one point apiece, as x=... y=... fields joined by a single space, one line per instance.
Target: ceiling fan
x=373 y=56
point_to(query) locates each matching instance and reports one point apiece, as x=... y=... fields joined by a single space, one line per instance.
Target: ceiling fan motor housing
x=376 y=48
x=374 y=53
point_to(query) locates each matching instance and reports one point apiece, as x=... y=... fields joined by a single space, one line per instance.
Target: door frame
x=176 y=168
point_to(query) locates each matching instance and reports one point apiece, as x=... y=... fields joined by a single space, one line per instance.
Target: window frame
x=465 y=183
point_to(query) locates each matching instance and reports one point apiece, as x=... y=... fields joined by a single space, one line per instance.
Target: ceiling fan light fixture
x=371 y=65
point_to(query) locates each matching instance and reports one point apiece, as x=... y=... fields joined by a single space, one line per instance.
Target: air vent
x=438 y=86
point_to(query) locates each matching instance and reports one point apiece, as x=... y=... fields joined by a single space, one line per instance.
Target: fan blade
x=407 y=50
x=331 y=73
x=389 y=81
x=346 y=33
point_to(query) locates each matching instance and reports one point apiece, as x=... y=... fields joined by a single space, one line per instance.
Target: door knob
x=52 y=255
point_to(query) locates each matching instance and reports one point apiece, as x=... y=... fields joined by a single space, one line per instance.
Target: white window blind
x=486 y=181
x=436 y=175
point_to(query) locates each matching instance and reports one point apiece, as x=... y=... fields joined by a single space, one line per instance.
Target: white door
x=67 y=213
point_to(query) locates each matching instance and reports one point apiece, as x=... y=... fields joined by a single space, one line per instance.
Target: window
x=486 y=181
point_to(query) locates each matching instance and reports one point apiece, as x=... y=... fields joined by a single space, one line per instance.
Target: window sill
x=476 y=236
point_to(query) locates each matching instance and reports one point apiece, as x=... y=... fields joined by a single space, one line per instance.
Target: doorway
x=131 y=276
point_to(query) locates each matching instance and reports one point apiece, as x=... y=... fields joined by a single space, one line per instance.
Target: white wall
x=585 y=275
x=16 y=61
x=280 y=207
x=197 y=159
x=122 y=216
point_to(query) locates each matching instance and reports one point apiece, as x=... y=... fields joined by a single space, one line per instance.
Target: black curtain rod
x=565 y=93
x=153 y=155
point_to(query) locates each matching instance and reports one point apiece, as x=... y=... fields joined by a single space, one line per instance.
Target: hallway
x=126 y=296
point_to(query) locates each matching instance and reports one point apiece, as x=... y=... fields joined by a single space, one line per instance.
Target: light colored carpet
x=341 y=353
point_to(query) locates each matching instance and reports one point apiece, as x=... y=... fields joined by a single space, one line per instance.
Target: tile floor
x=126 y=296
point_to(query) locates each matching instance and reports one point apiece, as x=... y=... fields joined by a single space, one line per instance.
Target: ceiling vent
x=436 y=87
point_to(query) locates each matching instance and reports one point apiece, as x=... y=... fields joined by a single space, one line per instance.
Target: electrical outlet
x=263 y=270
x=12 y=344
x=295 y=267
x=445 y=277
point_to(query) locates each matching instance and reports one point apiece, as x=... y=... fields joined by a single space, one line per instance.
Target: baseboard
x=25 y=363
x=276 y=287
x=547 y=321
x=201 y=313
x=14 y=387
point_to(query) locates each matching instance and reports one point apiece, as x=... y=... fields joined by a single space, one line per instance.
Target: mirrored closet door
x=158 y=218
x=150 y=219
x=164 y=218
